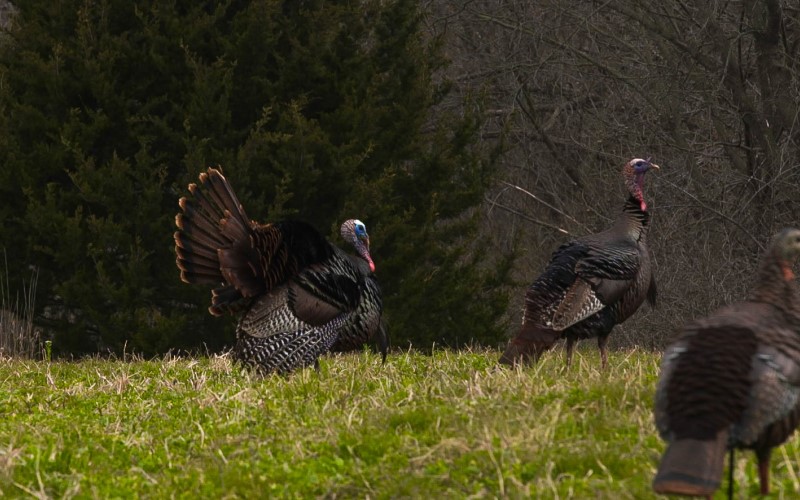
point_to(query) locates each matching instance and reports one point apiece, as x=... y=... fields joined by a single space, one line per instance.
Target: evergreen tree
x=316 y=110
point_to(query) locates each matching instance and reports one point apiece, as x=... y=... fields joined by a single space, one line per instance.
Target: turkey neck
x=633 y=221
x=777 y=287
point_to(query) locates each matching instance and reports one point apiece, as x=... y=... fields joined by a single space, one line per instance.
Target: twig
x=548 y=205
x=526 y=217
x=759 y=244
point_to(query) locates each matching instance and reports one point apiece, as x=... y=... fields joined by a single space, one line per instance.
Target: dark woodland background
x=471 y=137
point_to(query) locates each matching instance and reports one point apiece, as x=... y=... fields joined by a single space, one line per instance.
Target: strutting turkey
x=591 y=283
x=300 y=295
x=732 y=380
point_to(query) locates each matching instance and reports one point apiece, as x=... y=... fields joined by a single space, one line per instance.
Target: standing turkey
x=732 y=380
x=300 y=296
x=591 y=283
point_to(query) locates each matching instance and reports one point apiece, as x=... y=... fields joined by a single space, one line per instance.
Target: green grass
x=449 y=425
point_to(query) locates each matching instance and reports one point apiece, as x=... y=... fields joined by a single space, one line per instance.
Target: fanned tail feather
x=210 y=220
x=692 y=467
x=221 y=192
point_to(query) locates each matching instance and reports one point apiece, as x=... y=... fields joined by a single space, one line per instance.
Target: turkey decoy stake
x=732 y=380
x=299 y=295
x=591 y=283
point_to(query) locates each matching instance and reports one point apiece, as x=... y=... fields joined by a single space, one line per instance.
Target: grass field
x=449 y=425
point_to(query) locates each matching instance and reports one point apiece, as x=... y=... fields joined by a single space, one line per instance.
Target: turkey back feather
x=309 y=307
x=698 y=407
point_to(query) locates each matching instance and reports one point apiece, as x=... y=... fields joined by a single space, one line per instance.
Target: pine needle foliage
x=316 y=110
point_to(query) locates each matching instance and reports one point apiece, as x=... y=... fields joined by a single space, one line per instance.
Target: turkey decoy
x=732 y=380
x=298 y=294
x=591 y=283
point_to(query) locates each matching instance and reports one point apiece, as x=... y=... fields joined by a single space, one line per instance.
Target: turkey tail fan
x=217 y=198
x=211 y=219
x=692 y=467
x=196 y=243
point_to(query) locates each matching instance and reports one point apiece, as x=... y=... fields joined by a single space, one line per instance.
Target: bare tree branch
x=494 y=203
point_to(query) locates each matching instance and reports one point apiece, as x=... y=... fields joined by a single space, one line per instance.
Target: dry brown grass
x=18 y=335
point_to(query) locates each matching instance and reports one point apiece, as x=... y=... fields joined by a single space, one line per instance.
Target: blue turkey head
x=355 y=232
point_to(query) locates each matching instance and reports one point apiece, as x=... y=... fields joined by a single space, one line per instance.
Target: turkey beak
x=653 y=165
